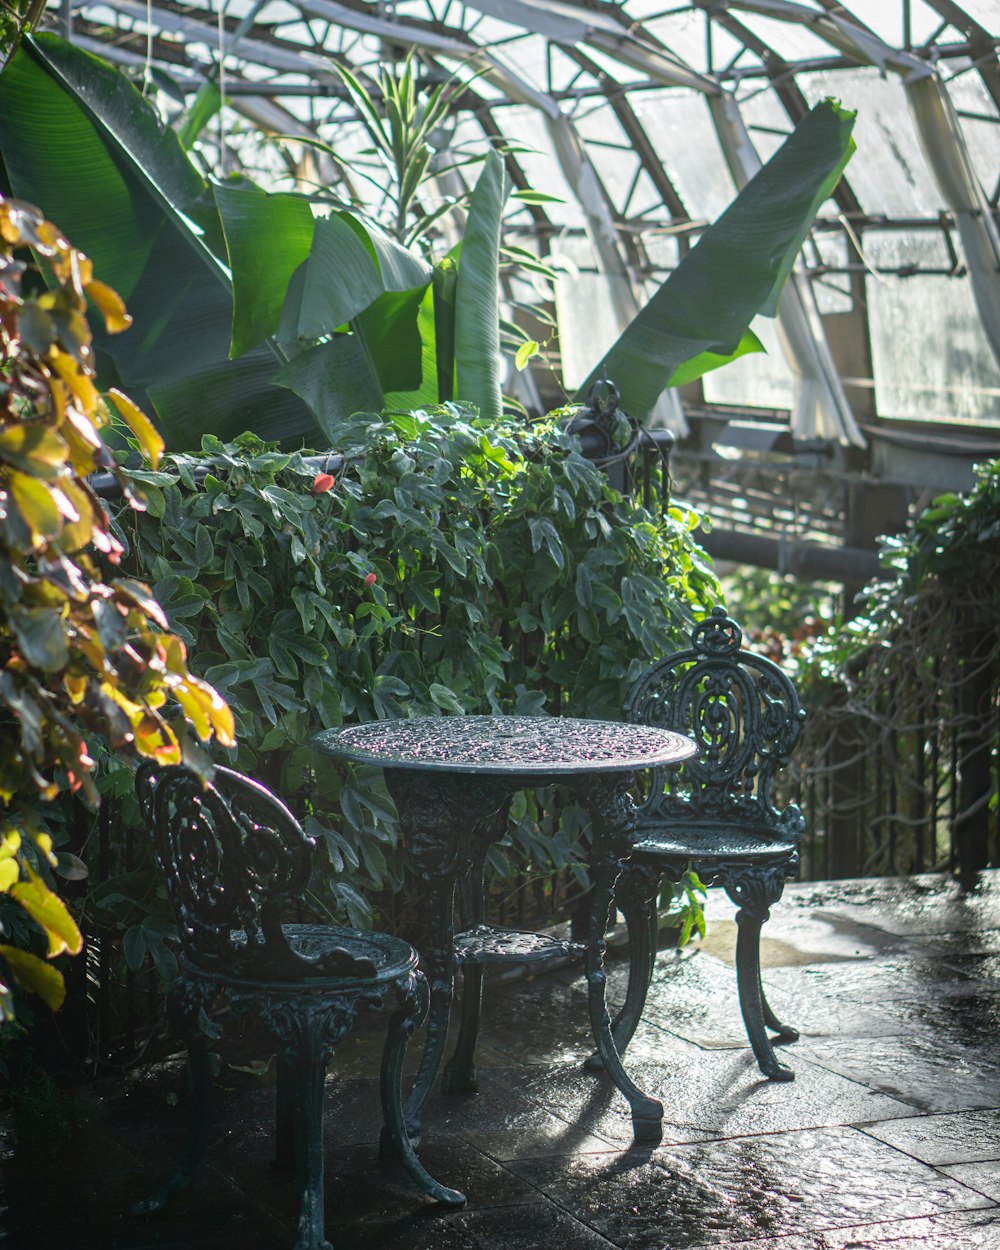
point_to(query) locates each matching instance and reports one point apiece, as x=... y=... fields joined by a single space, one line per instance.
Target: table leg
x=612 y=810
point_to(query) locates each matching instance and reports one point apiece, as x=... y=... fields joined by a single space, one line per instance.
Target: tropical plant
x=81 y=655
x=402 y=122
x=328 y=315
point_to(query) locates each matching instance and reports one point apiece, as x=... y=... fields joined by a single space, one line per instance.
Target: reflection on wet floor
x=888 y=1137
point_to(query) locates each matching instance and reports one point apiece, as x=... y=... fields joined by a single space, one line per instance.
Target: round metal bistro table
x=452 y=779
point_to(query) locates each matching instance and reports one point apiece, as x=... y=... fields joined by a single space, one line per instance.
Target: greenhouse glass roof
x=640 y=120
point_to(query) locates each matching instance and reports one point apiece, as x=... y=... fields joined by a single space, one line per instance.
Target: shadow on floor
x=888 y=1137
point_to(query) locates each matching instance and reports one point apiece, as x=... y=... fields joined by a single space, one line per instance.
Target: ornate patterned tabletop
x=452 y=779
x=509 y=746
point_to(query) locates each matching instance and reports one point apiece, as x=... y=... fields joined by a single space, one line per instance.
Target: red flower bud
x=322 y=483
x=371 y=579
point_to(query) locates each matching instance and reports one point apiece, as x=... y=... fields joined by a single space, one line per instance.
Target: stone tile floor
x=888 y=1137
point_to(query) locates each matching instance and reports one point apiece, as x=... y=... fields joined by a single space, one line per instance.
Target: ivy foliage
x=451 y=566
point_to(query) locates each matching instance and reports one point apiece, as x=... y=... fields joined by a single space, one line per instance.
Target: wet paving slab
x=928 y=1075
x=967 y=1137
x=768 y=1185
x=958 y=1230
x=889 y=1136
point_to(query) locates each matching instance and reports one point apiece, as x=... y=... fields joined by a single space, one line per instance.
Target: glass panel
x=646 y=200
x=982 y=138
x=525 y=127
x=683 y=33
x=618 y=70
x=885 y=20
x=888 y=172
x=758 y=381
x=680 y=129
x=616 y=165
x=527 y=58
x=663 y=253
x=587 y=325
x=832 y=290
x=931 y=359
x=984 y=12
x=924 y=21
x=790 y=40
x=564 y=71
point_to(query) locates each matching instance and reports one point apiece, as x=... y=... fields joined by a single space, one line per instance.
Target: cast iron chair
x=236 y=860
x=716 y=812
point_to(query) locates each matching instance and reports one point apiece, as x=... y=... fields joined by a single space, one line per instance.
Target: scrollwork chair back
x=742 y=711
x=235 y=861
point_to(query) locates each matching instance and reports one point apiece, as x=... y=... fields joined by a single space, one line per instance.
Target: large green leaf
x=81 y=142
x=267 y=237
x=401 y=269
x=341 y=279
x=699 y=317
x=336 y=379
x=45 y=134
x=445 y=282
x=393 y=331
x=428 y=331
x=477 y=293
x=138 y=140
x=353 y=272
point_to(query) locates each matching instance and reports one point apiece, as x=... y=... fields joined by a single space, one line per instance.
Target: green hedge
x=452 y=567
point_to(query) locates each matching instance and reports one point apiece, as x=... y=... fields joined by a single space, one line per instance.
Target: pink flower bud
x=371 y=579
x=322 y=483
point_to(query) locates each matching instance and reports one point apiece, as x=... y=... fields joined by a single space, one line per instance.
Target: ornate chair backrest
x=235 y=860
x=744 y=714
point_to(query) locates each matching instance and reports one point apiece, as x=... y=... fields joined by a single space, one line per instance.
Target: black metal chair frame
x=235 y=862
x=715 y=813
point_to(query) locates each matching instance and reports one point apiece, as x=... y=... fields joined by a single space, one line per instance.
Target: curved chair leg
x=635 y=898
x=413 y=1009
x=460 y=1076
x=612 y=810
x=284 y=1126
x=184 y=1002
x=754 y=890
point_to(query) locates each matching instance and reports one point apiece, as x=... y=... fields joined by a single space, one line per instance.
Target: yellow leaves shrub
x=78 y=655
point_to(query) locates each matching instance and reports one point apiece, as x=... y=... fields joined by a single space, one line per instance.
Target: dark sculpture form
x=235 y=861
x=715 y=812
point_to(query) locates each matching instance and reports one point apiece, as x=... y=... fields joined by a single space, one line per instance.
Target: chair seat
x=702 y=844
x=389 y=957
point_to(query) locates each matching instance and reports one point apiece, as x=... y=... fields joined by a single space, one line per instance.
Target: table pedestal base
x=449 y=823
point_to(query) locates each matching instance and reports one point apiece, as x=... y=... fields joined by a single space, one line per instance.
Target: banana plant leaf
x=136 y=205
x=700 y=317
x=267 y=239
x=336 y=379
x=477 y=292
